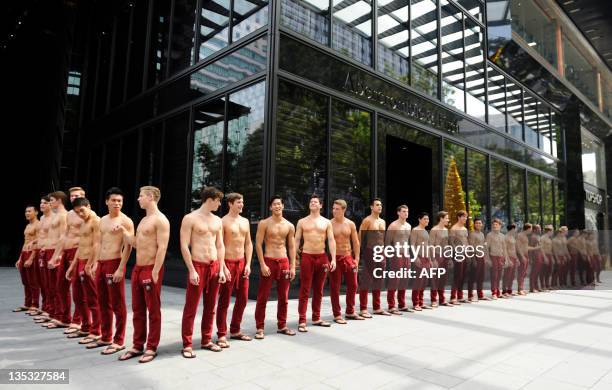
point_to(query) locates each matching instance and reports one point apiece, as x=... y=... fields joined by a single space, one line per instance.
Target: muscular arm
x=163 y=236
x=185 y=240
x=95 y=246
x=259 y=239
x=291 y=247
x=127 y=248
x=248 y=248
x=355 y=242
x=331 y=241
x=220 y=250
x=298 y=236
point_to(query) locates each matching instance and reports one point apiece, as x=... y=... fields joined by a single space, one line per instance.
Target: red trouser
x=521 y=271
x=572 y=265
x=459 y=271
x=563 y=262
x=279 y=271
x=240 y=284
x=497 y=269
x=85 y=295
x=63 y=286
x=476 y=274
x=397 y=284
x=209 y=287
x=48 y=285
x=547 y=270
x=146 y=297
x=537 y=259
x=509 y=275
x=111 y=298
x=367 y=281
x=313 y=271
x=418 y=288
x=345 y=265
x=596 y=263
x=439 y=283
x=32 y=274
x=30 y=291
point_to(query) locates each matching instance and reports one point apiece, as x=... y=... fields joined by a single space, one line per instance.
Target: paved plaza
x=557 y=340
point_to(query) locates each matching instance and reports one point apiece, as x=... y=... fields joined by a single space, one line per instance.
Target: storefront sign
x=593 y=197
x=408 y=105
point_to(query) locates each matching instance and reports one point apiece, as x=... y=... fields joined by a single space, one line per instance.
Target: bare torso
x=522 y=243
x=204 y=231
x=111 y=240
x=146 y=238
x=29 y=234
x=496 y=242
x=43 y=232
x=546 y=244
x=419 y=238
x=86 y=238
x=559 y=246
x=342 y=235
x=235 y=230
x=58 y=221
x=511 y=245
x=438 y=236
x=275 y=238
x=373 y=231
x=458 y=236
x=73 y=227
x=314 y=233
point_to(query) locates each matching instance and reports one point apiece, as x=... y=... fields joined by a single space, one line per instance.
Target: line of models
x=78 y=250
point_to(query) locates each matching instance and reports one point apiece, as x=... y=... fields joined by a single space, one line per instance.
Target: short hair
x=59 y=195
x=375 y=200
x=511 y=226
x=527 y=226
x=113 y=191
x=400 y=207
x=233 y=196
x=341 y=203
x=78 y=202
x=153 y=191
x=461 y=213
x=317 y=197
x=548 y=228
x=74 y=189
x=422 y=215
x=210 y=192
x=440 y=216
x=45 y=198
x=497 y=220
x=273 y=198
x=476 y=219
x=32 y=206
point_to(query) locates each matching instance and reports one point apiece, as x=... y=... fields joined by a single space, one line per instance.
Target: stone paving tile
x=558 y=340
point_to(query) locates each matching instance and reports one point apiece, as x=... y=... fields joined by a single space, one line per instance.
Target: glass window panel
x=560 y=204
x=151 y=156
x=533 y=198
x=245 y=128
x=137 y=48
x=214 y=26
x=183 y=34
x=234 y=67
x=537 y=29
x=453 y=80
x=477 y=185
x=424 y=46
x=350 y=158
x=514 y=109
x=593 y=160
x=393 y=41
x=101 y=85
x=94 y=185
x=499 y=191
x=531 y=120
x=518 y=213
x=579 y=71
x=207 y=148
x=249 y=15
x=556 y=135
x=352 y=29
x=544 y=128
x=497 y=100
x=547 y=202
x=301 y=148
x=307 y=17
x=158 y=54
x=454 y=158
x=129 y=164
x=474 y=75
x=111 y=165
x=119 y=63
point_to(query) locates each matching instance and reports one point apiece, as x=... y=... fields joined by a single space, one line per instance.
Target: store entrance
x=408 y=178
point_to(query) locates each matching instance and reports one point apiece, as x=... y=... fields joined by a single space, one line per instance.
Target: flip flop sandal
x=97 y=344
x=354 y=317
x=71 y=330
x=382 y=313
x=259 y=335
x=129 y=355
x=323 y=324
x=20 y=308
x=365 y=315
x=89 y=339
x=241 y=337
x=395 y=312
x=147 y=357
x=406 y=309
x=417 y=308
x=33 y=313
x=77 y=335
x=340 y=321
x=212 y=347
x=446 y=304
x=111 y=350
x=41 y=320
x=188 y=353
x=55 y=325
x=302 y=328
x=223 y=343
x=286 y=332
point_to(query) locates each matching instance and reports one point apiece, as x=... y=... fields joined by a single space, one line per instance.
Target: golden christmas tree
x=454 y=196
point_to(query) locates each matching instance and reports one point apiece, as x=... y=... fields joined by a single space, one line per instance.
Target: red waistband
x=82 y=260
x=139 y=267
x=234 y=260
x=110 y=260
x=277 y=259
x=202 y=263
x=340 y=257
x=315 y=255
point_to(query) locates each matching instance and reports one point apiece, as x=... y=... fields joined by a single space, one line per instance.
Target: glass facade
x=593 y=160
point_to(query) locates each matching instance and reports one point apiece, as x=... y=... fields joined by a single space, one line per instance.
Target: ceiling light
x=574 y=10
x=532 y=43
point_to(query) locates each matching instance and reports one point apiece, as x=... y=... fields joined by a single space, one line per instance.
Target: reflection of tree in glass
x=454 y=196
